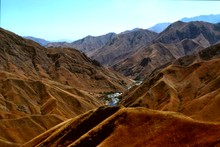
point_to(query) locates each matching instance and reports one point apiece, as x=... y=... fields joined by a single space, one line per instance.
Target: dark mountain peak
x=122 y=46
x=89 y=36
x=179 y=25
x=129 y=31
x=175 y=25
x=206 y=18
x=180 y=30
x=86 y=44
x=136 y=33
x=91 y=39
x=199 y=24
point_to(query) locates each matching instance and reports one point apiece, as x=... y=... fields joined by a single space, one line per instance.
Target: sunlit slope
x=129 y=127
x=15 y=132
x=190 y=85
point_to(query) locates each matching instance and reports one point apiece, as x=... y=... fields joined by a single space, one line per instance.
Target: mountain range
x=137 y=53
x=213 y=18
x=29 y=60
x=206 y=18
x=87 y=44
x=42 y=42
x=131 y=57
x=178 y=40
x=189 y=85
x=40 y=87
x=158 y=28
x=110 y=48
x=55 y=95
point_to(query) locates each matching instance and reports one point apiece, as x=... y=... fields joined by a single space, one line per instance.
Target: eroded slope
x=190 y=85
x=130 y=127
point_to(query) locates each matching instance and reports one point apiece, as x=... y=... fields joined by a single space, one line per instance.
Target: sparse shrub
x=21 y=108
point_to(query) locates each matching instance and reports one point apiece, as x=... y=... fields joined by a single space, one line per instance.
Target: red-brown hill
x=52 y=84
x=190 y=85
x=116 y=126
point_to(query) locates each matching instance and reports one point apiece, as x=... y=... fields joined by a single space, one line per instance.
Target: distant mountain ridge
x=42 y=42
x=206 y=18
x=181 y=30
x=138 y=51
x=87 y=44
x=128 y=31
x=179 y=39
x=111 y=47
x=123 y=46
x=159 y=27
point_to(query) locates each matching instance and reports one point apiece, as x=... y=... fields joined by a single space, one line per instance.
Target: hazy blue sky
x=74 y=19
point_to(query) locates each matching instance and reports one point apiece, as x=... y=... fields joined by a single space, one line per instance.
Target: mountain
x=189 y=85
x=52 y=96
x=67 y=66
x=137 y=52
x=122 y=46
x=110 y=48
x=158 y=28
x=129 y=31
x=178 y=40
x=115 y=126
x=53 y=84
x=87 y=44
x=206 y=18
x=38 y=40
x=180 y=30
x=140 y=64
x=51 y=75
